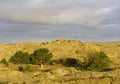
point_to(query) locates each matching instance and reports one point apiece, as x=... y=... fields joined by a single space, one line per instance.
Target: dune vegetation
x=58 y=70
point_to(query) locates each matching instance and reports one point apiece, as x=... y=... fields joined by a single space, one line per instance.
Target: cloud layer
x=86 y=13
x=52 y=19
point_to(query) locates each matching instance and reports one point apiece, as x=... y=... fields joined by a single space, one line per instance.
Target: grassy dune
x=58 y=74
x=59 y=48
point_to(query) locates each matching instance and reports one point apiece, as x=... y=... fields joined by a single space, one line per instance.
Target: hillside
x=111 y=48
x=63 y=48
x=58 y=74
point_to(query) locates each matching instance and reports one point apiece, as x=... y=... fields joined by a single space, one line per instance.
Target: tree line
x=97 y=61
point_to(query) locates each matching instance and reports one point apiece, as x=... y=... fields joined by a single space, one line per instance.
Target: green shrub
x=20 y=57
x=5 y=62
x=27 y=68
x=97 y=61
x=41 y=56
x=68 y=62
x=24 y=69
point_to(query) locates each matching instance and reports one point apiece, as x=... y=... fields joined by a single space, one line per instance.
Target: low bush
x=68 y=62
x=27 y=68
x=98 y=61
x=5 y=62
x=24 y=69
x=20 y=68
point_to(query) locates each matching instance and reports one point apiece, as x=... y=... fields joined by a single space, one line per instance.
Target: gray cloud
x=113 y=15
x=85 y=13
x=36 y=32
x=34 y=20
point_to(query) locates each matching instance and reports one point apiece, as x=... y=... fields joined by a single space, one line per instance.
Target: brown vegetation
x=58 y=74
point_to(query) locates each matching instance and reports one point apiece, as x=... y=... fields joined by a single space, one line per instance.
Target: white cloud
x=112 y=16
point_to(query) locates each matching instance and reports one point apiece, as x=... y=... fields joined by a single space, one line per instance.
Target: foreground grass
x=56 y=74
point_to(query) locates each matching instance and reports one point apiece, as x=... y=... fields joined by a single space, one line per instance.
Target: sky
x=44 y=20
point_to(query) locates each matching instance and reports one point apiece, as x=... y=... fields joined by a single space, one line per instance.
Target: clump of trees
x=39 y=56
x=20 y=57
x=97 y=61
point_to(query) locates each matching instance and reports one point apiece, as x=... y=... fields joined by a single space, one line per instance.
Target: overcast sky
x=43 y=20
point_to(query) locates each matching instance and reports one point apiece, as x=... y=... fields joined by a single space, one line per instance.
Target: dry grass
x=58 y=74
x=61 y=48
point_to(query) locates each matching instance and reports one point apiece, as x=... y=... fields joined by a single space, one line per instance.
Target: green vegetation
x=67 y=62
x=5 y=62
x=20 y=57
x=97 y=61
x=24 y=69
x=39 y=56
